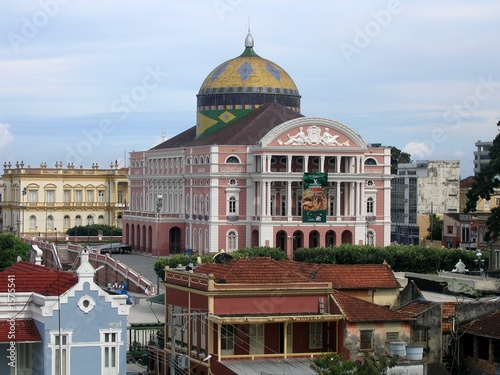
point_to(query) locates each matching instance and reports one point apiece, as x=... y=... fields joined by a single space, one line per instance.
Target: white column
x=337 y=198
x=289 y=200
x=306 y=164
x=289 y=163
x=268 y=198
x=322 y=164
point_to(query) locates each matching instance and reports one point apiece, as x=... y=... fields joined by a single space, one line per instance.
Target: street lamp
x=479 y=261
x=158 y=209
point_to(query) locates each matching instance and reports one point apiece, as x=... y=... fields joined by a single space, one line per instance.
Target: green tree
x=336 y=364
x=398 y=156
x=10 y=248
x=487 y=182
x=435 y=228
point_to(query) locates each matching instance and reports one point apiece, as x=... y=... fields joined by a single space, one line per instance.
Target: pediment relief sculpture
x=313 y=137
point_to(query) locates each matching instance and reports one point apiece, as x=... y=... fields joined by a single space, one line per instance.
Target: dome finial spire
x=249 y=39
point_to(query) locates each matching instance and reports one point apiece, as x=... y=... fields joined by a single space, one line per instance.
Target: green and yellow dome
x=240 y=85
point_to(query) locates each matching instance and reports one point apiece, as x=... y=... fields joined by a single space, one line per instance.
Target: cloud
x=419 y=150
x=6 y=136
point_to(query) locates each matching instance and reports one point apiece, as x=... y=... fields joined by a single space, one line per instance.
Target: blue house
x=58 y=322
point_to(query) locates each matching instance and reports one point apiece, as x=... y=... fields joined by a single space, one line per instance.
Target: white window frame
x=33 y=196
x=227 y=338
x=90 y=196
x=67 y=196
x=110 y=350
x=78 y=196
x=24 y=361
x=370 y=205
x=256 y=339
x=56 y=346
x=33 y=224
x=101 y=196
x=315 y=335
x=203 y=333
x=232 y=240
x=50 y=196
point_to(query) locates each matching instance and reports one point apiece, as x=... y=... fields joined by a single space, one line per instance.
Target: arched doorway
x=281 y=240
x=255 y=238
x=298 y=240
x=174 y=240
x=314 y=239
x=347 y=236
x=330 y=238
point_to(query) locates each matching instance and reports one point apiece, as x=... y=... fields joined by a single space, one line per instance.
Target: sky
x=87 y=82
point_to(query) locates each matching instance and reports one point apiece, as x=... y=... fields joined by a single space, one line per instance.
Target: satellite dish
x=222 y=258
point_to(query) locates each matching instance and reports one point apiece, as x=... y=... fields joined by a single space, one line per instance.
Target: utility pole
x=173 y=329
x=159 y=203
x=432 y=223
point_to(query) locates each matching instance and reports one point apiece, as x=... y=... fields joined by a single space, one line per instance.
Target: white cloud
x=419 y=150
x=6 y=136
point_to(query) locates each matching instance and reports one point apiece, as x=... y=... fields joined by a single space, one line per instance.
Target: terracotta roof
x=488 y=326
x=266 y=270
x=448 y=312
x=252 y=271
x=24 y=330
x=246 y=131
x=416 y=308
x=467 y=182
x=358 y=310
x=38 y=279
x=358 y=276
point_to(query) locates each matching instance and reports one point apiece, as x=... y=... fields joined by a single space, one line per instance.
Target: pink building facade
x=235 y=179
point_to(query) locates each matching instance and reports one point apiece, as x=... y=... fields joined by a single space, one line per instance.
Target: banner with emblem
x=315 y=197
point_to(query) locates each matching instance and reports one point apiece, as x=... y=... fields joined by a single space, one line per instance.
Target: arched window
x=66 y=222
x=101 y=220
x=32 y=222
x=232 y=240
x=50 y=222
x=78 y=221
x=195 y=205
x=369 y=205
x=370 y=161
x=207 y=206
x=233 y=159
x=90 y=220
x=370 y=237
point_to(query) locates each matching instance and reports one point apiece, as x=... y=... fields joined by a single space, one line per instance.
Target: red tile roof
x=33 y=278
x=358 y=276
x=416 y=308
x=267 y=270
x=488 y=326
x=252 y=271
x=23 y=330
x=358 y=310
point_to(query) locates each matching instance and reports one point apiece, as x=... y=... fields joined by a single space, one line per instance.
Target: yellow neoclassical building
x=47 y=201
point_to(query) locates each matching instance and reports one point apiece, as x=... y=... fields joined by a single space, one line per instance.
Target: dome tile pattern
x=240 y=85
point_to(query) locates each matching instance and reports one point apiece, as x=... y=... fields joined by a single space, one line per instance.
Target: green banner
x=315 y=198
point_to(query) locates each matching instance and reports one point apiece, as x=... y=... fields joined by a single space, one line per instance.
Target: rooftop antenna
x=163 y=135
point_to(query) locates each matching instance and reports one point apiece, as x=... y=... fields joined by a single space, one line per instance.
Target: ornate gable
x=313 y=132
